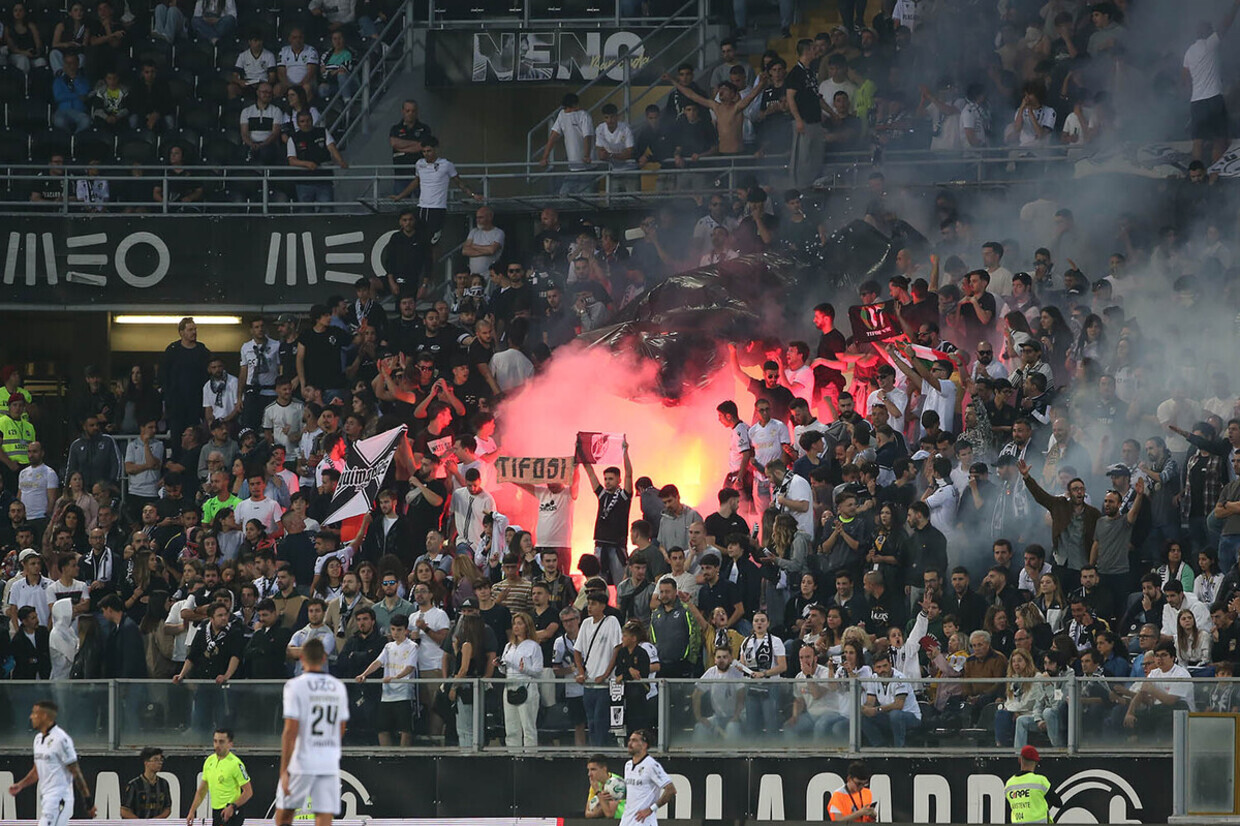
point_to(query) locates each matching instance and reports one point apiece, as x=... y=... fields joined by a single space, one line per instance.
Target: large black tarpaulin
x=859 y=252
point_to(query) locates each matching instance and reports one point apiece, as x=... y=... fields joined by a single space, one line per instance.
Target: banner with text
x=571 y=56
x=944 y=789
x=873 y=322
x=530 y=470
x=227 y=262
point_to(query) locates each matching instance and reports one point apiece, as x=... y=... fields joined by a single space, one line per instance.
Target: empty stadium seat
x=47 y=142
x=12 y=84
x=14 y=146
x=29 y=115
x=95 y=143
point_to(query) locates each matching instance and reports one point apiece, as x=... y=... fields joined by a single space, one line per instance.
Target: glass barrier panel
x=83 y=711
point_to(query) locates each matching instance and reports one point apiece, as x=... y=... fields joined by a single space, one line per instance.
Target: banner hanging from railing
x=499 y=55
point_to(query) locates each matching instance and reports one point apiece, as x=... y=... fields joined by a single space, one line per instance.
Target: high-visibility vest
x=845 y=803
x=1026 y=797
x=15 y=439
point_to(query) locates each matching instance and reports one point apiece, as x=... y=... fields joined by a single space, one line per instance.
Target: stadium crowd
x=1034 y=476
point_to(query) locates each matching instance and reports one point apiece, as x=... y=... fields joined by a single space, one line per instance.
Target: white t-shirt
x=430 y=655
x=738 y=444
x=974 y=116
x=434 y=180
x=908 y=12
x=1182 y=690
x=319 y=703
x=467 y=511
x=146 y=482
x=254 y=69
x=574 y=128
x=53 y=755
x=555 y=518
x=297 y=65
x=801 y=383
x=800 y=490
x=33 y=483
x=481 y=264
x=74 y=592
x=614 y=141
x=267 y=511
x=511 y=368
x=262 y=122
x=323 y=634
x=22 y=593
x=828 y=88
x=941 y=401
x=1045 y=117
x=180 y=643
x=643 y=784
x=1000 y=283
x=270 y=352
x=221 y=404
x=897 y=397
x=814 y=706
x=768 y=441
x=1072 y=124
x=800 y=430
x=886 y=693
x=284 y=422
x=752 y=645
x=395 y=658
x=1201 y=60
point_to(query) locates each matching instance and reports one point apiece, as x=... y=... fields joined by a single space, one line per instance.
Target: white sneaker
x=435 y=238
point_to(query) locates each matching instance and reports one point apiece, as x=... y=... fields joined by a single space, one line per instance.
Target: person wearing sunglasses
x=392 y=604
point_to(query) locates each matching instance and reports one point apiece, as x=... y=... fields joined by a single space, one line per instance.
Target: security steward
x=1028 y=794
x=854 y=802
x=16 y=434
x=225 y=776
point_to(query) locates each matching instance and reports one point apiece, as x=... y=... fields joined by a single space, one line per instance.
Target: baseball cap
x=1030 y=753
x=920 y=455
x=469 y=602
x=1119 y=469
x=26 y=554
x=286 y=318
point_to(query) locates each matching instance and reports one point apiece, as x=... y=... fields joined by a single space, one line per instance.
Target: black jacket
x=124 y=652
x=32 y=661
x=358 y=653
x=266 y=654
x=398 y=541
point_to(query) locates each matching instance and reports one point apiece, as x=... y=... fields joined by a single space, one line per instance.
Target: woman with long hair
x=1209 y=579
x=997 y=624
x=1016 y=331
x=831 y=641
x=464 y=574
x=851 y=666
x=1174 y=566
x=255 y=537
x=227 y=533
x=75 y=493
x=146 y=576
x=141 y=402
x=1192 y=644
x=1030 y=619
x=473 y=660
x=762 y=658
x=1020 y=697
x=884 y=554
x=797 y=609
x=423 y=573
x=1114 y=654
x=523 y=664
x=328 y=585
x=72 y=520
x=209 y=549
x=631 y=669
x=522 y=547
x=791 y=549
x=1092 y=342
x=368 y=576
x=1052 y=603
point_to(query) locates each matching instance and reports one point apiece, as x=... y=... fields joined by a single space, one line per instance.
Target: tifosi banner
x=873 y=322
x=199 y=262
x=530 y=470
x=498 y=55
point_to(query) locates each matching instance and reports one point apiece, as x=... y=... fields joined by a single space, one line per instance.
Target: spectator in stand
x=214 y=20
x=298 y=64
x=70 y=91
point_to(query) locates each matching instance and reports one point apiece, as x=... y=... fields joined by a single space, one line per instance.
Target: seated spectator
x=298 y=65
x=169 y=21
x=255 y=65
x=214 y=20
x=70 y=90
x=150 y=101
x=984 y=662
x=1149 y=712
x=92 y=190
x=70 y=37
x=109 y=102
x=338 y=77
x=23 y=40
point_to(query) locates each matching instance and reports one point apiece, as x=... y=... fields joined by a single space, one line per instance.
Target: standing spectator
x=596 y=641
x=37 y=485
x=1209 y=111
x=485 y=243
x=399 y=663
x=215 y=654
x=309 y=149
x=70 y=90
x=434 y=176
x=214 y=20
x=148 y=796
x=260 y=366
x=469 y=504
x=405 y=139
x=32 y=658
x=266 y=652
x=314 y=629
x=318 y=355
x=258 y=506
x=809 y=139
x=572 y=126
x=124 y=651
x=94 y=454
x=523 y=663
x=183 y=373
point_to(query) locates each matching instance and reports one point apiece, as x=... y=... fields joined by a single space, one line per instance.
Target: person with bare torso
x=729 y=111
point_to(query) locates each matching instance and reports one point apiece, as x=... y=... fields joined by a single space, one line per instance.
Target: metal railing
x=758 y=716
x=230 y=190
x=696 y=55
x=476 y=14
x=388 y=54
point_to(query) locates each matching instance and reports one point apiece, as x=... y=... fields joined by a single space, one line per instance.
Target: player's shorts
x=56 y=810
x=320 y=793
x=431 y=221
x=395 y=716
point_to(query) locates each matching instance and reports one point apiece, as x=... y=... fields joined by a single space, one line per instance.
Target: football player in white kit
x=55 y=769
x=316 y=708
x=647 y=786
